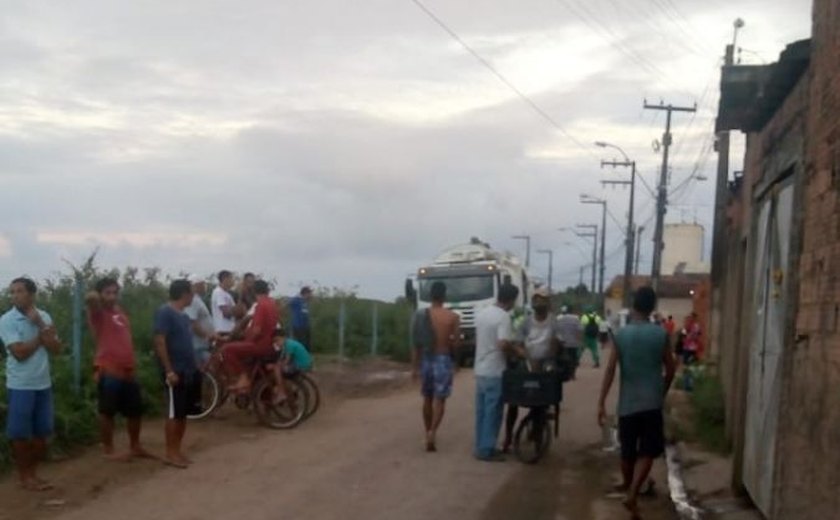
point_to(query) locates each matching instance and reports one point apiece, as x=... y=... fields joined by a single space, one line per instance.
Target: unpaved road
x=359 y=458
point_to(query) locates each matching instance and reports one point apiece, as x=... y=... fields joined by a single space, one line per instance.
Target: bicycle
x=539 y=392
x=313 y=393
x=284 y=415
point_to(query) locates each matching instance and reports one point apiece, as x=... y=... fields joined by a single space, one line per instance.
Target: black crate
x=521 y=388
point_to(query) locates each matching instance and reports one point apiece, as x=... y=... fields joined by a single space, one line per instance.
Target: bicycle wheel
x=532 y=438
x=283 y=416
x=210 y=396
x=313 y=394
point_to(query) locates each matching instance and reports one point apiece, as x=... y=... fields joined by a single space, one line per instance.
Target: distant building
x=683 y=252
x=679 y=295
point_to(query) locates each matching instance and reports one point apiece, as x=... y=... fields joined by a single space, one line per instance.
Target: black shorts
x=184 y=398
x=119 y=396
x=304 y=336
x=642 y=435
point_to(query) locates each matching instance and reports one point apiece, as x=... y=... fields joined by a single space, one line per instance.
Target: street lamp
x=630 y=249
x=550 y=254
x=593 y=234
x=588 y=199
x=527 y=239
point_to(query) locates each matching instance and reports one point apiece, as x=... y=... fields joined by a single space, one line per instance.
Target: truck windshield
x=459 y=288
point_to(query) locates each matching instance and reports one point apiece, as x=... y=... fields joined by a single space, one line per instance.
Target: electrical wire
x=489 y=66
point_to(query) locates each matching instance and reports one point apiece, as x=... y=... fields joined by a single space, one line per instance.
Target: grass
x=709 y=413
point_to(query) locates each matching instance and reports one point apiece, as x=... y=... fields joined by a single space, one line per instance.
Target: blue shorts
x=436 y=373
x=30 y=414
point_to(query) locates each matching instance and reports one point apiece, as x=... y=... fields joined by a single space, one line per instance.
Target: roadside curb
x=686 y=510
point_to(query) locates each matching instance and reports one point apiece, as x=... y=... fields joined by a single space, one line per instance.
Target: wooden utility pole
x=662 y=195
x=628 y=257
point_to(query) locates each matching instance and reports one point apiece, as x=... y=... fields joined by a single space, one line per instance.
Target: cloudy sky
x=348 y=142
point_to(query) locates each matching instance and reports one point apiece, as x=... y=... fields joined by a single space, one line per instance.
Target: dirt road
x=360 y=458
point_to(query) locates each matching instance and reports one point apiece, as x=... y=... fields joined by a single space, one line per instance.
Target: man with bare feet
x=114 y=368
x=173 y=345
x=642 y=352
x=29 y=336
x=437 y=332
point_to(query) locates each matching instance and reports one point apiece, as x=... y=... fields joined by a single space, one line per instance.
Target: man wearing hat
x=540 y=335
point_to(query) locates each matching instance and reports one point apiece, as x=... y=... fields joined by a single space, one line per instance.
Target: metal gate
x=770 y=304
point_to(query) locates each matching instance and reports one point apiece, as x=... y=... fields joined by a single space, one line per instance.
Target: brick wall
x=809 y=448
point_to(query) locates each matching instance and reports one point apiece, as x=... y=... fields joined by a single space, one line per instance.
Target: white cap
x=194 y=279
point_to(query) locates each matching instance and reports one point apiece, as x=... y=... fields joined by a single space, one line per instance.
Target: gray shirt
x=200 y=314
x=570 y=329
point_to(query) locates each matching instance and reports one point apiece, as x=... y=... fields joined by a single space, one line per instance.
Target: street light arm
x=604 y=144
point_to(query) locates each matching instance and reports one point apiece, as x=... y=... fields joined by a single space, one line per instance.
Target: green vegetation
x=143 y=292
x=708 y=410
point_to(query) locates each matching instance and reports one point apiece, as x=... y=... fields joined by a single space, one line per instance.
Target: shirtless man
x=437 y=333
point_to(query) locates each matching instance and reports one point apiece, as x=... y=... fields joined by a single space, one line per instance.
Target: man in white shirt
x=222 y=304
x=494 y=339
x=201 y=321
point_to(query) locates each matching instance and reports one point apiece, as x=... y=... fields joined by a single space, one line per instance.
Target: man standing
x=642 y=352
x=29 y=336
x=299 y=305
x=437 y=333
x=245 y=295
x=201 y=321
x=591 y=323
x=571 y=334
x=258 y=338
x=494 y=339
x=114 y=368
x=173 y=345
x=222 y=304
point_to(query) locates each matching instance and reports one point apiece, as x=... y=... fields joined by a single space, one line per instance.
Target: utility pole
x=594 y=236
x=586 y=199
x=639 y=232
x=628 y=254
x=662 y=195
x=550 y=254
x=527 y=239
x=582 y=269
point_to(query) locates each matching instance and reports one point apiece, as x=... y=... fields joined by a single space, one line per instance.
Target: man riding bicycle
x=540 y=336
x=258 y=339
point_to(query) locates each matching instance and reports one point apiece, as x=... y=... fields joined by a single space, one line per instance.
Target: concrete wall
x=809 y=439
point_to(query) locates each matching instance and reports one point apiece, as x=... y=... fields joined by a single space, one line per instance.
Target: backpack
x=591 y=329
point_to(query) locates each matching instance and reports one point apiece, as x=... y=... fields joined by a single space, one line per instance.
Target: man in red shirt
x=114 y=368
x=258 y=338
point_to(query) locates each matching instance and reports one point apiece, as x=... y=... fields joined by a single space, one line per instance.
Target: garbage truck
x=473 y=273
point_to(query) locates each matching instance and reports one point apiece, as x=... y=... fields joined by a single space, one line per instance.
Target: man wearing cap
x=301 y=330
x=540 y=335
x=201 y=321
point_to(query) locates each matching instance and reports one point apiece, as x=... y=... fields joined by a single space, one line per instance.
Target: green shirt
x=641 y=346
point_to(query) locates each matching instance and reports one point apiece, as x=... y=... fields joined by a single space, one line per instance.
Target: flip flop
x=430 y=447
x=38 y=486
x=175 y=464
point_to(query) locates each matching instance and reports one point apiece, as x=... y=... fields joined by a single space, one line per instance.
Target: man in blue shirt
x=174 y=349
x=29 y=336
x=642 y=351
x=301 y=330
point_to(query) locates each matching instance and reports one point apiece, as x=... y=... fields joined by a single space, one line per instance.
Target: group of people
x=245 y=321
x=640 y=350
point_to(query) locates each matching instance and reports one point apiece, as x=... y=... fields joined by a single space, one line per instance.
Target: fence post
x=374 y=343
x=342 y=318
x=77 y=332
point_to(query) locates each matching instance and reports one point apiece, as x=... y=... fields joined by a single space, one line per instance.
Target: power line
x=524 y=97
